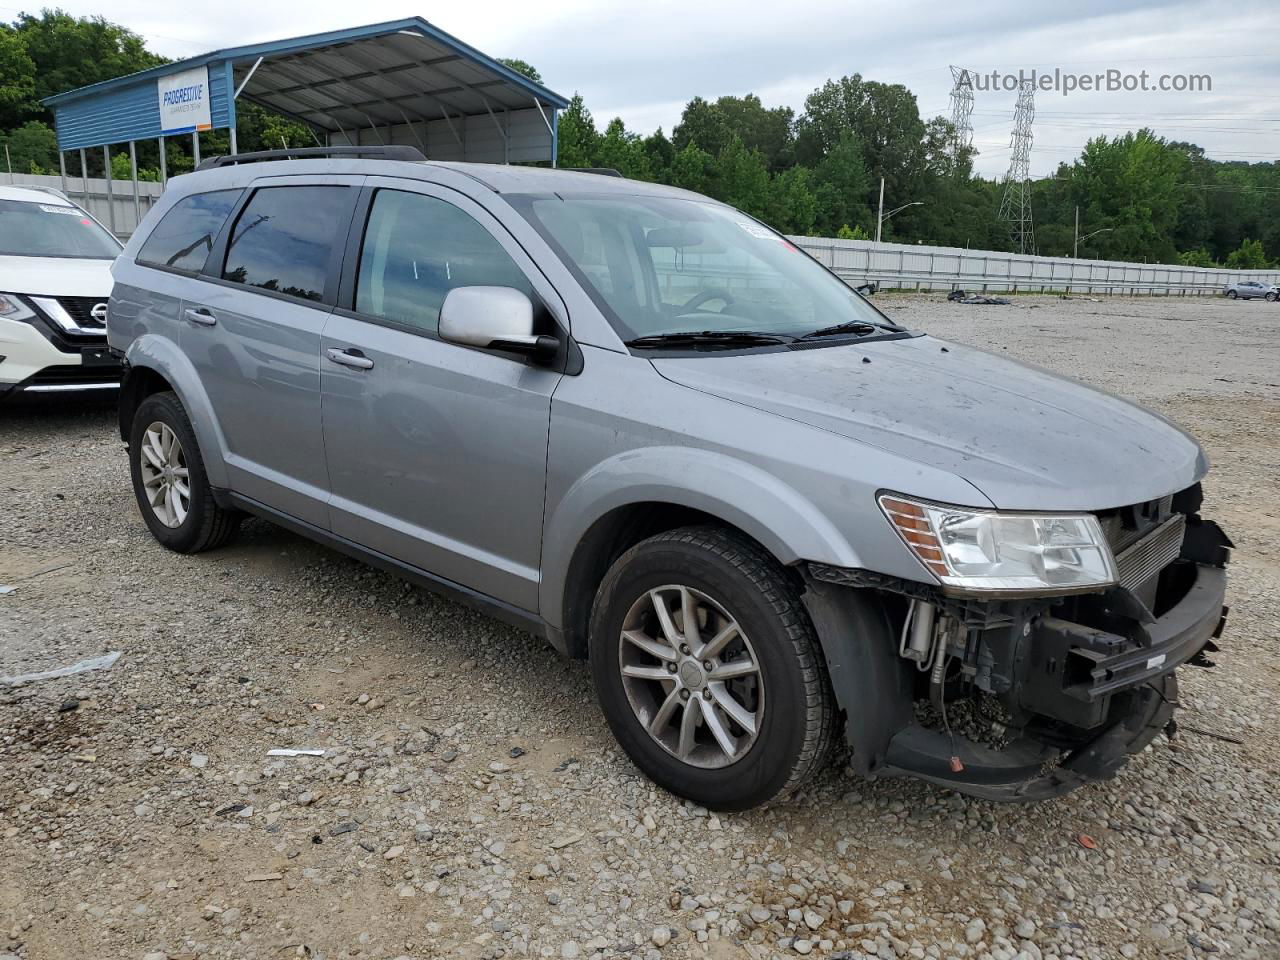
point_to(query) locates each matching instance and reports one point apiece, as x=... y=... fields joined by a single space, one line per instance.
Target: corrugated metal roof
x=388 y=74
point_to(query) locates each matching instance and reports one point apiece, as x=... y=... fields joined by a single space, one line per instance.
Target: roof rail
x=602 y=171
x=393 y=152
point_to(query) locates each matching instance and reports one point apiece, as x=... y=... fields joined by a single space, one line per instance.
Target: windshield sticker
x=50 y=208
x=758 y=231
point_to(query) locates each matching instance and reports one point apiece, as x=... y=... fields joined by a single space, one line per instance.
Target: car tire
x=644 y=675
x=1231 y=294
x=1270 y=297
x=163 y=452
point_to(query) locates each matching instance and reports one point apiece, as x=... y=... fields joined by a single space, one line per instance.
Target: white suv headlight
x=12 y=307
x=987 y=552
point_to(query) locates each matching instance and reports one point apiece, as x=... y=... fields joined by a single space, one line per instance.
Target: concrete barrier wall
x=890 y=265
x=919 y=267
x=119 y=213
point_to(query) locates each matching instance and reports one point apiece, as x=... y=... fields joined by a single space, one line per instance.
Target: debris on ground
x=962 y=296
x=105 y=662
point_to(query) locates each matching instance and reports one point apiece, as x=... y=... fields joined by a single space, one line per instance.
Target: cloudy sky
x=644 y=61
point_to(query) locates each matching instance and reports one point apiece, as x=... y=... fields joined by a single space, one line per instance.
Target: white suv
x=55 y=280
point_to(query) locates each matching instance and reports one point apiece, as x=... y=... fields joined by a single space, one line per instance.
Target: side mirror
x=497 y=318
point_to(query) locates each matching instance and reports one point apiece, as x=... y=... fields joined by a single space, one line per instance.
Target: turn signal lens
x=987 y=552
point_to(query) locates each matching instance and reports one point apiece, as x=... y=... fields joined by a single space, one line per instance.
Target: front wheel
x=1231 y=294
x=169 y=479
x=708 y=669
x=1270 y=297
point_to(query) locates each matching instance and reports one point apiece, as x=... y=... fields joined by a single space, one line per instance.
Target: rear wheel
x=1270 y=297
x=1231 y=294
x=708 y=669
x=169 y=479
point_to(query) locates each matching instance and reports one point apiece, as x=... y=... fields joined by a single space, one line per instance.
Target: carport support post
x=133 y=169
x=62 y=169
x=164 y=164
x=195 y=149
x=111 y=200
x=84 y=178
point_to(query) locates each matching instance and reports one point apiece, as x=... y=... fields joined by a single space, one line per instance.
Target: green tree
x=884 y=120
x=1199 y=257
x=738 y=177
x=790 y=204
x=857 y=233
x=691 y=169
x=521 y=67
x=33 y=148
x=623 y=151
x=68 y=52
x=841 y=187
x=660 y=153
x=17 y=79
x=1249 y=256
x=578 y=139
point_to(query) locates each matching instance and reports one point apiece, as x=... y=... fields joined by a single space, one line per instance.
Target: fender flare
x=162 y=356
x=785 y=522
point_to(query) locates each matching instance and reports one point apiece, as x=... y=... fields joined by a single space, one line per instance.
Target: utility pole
x=879 y=213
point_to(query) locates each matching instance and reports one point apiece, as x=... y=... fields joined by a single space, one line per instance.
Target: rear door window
x=185 y=235
x=285 y=237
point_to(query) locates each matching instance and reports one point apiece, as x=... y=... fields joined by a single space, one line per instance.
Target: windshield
x=667 y=265
x=52 y=230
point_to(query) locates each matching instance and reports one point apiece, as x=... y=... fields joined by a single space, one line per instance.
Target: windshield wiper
x=858 y=328
x=718 y=338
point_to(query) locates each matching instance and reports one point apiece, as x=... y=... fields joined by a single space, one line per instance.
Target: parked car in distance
x=647 y=427
x=1250 y=290
x=55 y=281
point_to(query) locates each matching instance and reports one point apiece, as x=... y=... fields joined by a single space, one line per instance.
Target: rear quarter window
x=185 y=235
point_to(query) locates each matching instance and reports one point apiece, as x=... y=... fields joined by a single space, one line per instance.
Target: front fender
x=758 y=503
x=164 y=357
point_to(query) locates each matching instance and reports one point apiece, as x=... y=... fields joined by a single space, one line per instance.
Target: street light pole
x=880 y=211
x=1075 y=247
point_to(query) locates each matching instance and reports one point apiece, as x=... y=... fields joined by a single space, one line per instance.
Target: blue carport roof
x=386 y=73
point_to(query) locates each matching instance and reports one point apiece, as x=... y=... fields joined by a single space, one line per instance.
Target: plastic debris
x=105 y=662
x=292 y=752
x=963 y=296
x=6 y=588
x=1086 y=841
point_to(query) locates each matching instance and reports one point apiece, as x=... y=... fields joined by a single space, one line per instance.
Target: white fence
x=889 y=265
x=120 y=213
x=903 y=266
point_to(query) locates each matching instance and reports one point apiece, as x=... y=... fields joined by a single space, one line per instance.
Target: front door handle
x=201 y=316
x=350 y=358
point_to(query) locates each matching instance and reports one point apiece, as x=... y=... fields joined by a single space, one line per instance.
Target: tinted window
x=185 y=234
x=52 y=229
x=284 y=237
x=418 y=248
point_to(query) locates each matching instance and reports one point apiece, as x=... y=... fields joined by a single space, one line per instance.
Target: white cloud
x=643 y=62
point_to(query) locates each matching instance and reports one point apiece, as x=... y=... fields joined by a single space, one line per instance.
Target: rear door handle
x=200 y=316
x=350 y=358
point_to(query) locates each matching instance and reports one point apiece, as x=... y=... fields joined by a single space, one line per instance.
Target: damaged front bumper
x=1079 y=685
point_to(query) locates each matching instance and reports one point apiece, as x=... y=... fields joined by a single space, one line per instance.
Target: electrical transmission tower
x=961 y=110
x=1016 y=205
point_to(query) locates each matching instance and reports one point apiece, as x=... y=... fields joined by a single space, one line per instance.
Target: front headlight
x=986 y=552
x=13 y=307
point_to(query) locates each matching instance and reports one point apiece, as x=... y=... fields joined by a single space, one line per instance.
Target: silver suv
x=648 y=428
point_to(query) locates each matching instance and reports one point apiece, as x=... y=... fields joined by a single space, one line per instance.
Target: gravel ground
x=471 y=802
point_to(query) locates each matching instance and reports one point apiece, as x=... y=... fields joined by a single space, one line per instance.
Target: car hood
x=55 y=276
x=1026 y=438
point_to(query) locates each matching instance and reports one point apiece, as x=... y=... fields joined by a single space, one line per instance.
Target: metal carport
x=402 y=82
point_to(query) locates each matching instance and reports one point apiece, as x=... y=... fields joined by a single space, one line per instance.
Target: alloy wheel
x=165 y=477
x=691 y=676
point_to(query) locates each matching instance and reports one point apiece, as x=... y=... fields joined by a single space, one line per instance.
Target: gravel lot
x=471 y=802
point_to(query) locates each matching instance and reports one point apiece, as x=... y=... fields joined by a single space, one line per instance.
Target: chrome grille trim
x=1159 y=548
